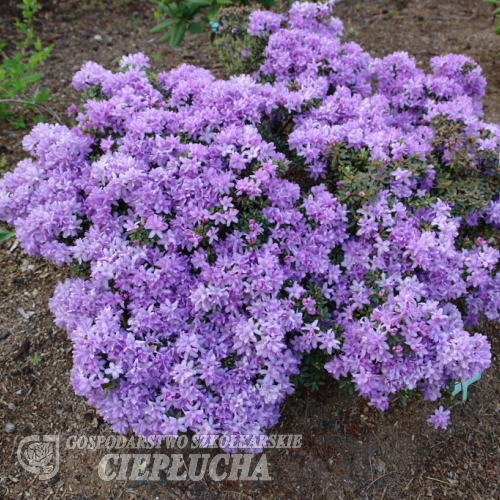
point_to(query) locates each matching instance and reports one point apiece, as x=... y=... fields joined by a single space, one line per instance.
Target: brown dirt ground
x=349 y=451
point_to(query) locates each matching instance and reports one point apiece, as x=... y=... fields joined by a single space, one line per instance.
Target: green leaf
x=164 y=25
x=18 y=123
x=177 y=33
x=225 y=2
x=5 y=234
x=267 y=3
x=201 y=3
x=166 y=38
x=193 y=10
x=162 y=8
x=174 y=9
x=195 y=28
x=213 y=12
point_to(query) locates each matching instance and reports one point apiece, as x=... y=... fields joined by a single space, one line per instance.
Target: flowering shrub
x=330 y=210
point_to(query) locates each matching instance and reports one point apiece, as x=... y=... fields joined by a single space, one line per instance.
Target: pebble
x=380 y=465
x=11 y=406
x=24 y=314
x=98 y=38
x=10 y=427
x=26 y=266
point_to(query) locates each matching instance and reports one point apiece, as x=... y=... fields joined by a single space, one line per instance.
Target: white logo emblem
x=40 y=455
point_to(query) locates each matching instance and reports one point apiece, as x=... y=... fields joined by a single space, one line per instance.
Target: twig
x=409 y=482
x=438 y=480
x=36 y=105
x=380 y=477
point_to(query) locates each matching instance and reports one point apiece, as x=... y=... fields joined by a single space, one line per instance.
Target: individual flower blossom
x=439 y=418
x=156 y=226
x=295 y=291
x=135 y=60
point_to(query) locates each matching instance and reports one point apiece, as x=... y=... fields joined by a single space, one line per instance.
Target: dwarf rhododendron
x=232 y=233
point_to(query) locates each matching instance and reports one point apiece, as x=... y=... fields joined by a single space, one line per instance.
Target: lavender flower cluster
x=224 y=241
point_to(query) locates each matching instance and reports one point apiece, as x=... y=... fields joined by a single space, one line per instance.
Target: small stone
x=380 y=465
x=25 y=314
x=98 y=38
x=11 y=406
x=10 y=427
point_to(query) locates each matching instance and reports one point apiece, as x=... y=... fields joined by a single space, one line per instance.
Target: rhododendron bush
x=329 y=209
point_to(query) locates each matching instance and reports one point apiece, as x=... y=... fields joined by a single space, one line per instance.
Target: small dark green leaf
x=195 y=28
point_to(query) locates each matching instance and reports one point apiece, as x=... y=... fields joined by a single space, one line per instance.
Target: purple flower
x=264 y=22
x=439 y=418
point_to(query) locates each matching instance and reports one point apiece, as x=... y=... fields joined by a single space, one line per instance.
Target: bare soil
x=349 y=451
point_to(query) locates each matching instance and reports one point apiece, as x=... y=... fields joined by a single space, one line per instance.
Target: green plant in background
x=238 y=51
x=179 y=16
x=93 y=5
x=18 y=75
x=496 y=13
